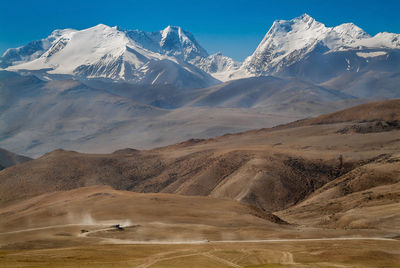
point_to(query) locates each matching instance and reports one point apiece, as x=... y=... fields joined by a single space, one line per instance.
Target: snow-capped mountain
x=301 y=47
x=172 y=41
x=291 y=46
x=171 y=56
x=176 y=42
x=31 y=51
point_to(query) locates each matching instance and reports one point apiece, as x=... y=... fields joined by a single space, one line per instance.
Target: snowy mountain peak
x=344 y=36
x=171 y=30
x=303 y=22
x=104 y=52
x=171 y=37
x=101 y=26
x=60 y=32
x=32 y=50
x=180 y=43
x=351 y=30
x=74 y=51
x=289 y=41
x=285 y=38
x=132 y=55
x=306 y=17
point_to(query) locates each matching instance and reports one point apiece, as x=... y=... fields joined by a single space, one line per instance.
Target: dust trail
x=86 y=218
x=89 y=221
x=74 y=219
x=45 y=227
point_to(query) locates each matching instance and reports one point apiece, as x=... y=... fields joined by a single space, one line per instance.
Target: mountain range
x=171 y=56
x=294 y=47
x=174 y=56
x=103 y=88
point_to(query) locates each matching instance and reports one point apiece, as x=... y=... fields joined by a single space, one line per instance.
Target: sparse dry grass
x=287 y=254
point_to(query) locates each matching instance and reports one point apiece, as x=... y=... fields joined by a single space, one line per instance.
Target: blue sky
x=233 y=27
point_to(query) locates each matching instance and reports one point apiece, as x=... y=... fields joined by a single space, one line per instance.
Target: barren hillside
x=272 y=169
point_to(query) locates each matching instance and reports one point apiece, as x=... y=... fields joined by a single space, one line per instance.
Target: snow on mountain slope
x=286 y=39
x=288 y=42
x=298 y=47
x=104 y=52
x=172 y=41
x=344 y=35
x=381 y=40
x=177 y=42
x=218 y=65
x=80 y=48
x=31 y=51
x=100 y=46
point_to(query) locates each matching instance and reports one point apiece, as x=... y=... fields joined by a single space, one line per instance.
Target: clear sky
x=234 y=27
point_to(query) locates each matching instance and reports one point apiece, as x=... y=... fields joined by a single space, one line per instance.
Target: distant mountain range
x=301 y=47
x=104 y=88
x=110 y=53
x=305 y=47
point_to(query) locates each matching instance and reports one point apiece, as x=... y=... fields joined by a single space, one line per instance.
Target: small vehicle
x=118 y=226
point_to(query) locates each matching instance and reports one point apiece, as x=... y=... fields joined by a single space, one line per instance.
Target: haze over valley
x=105 y=88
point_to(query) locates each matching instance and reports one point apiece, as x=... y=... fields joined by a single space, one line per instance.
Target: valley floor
x=330 y=253
x=175 y=241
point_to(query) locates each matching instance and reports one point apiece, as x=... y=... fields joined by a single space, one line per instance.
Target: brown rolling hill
x=364 y=198
x=144 y=216
x=381 y=111
x=283 y=168
x=257 y=176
